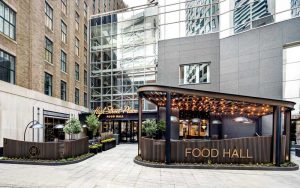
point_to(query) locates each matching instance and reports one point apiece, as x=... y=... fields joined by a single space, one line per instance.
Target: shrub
x=73 y=126
x=108 y=140
x=93 y=123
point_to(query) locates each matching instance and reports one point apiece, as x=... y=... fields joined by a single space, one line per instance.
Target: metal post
x=168 y=129
x=32 y=121
x=140 y=122
x=276 y=137
x=287 y=127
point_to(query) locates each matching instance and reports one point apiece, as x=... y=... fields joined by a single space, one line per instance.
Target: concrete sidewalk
x=115 y=168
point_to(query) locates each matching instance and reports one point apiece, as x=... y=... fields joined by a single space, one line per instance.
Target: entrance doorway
x=127 y=130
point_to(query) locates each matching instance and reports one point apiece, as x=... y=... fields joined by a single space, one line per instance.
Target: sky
x=132 y=3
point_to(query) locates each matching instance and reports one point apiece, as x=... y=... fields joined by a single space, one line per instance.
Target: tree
x=149 y=127
x=93 y=123
x=73 y=126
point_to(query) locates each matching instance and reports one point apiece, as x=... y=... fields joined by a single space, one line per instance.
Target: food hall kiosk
x=212 y=127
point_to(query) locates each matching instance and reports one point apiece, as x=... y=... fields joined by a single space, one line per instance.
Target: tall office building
x=201 y=16
x=295 y=7
x=102 y=6
x=123 y=56
x=251 y=13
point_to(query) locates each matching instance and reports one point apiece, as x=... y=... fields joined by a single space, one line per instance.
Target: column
x=140 y=122
x=168 y=128
x=287 y=130
x=276 y=137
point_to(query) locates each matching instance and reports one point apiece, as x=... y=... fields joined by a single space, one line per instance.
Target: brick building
x=44 y=63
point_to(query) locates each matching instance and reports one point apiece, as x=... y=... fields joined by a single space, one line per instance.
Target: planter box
x=100 y=149
x=93 y=150
x=108 y=145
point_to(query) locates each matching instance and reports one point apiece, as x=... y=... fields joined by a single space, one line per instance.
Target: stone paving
x=115 y=168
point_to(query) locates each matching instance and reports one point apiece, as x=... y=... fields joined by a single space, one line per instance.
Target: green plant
x=161 y=126
x=108 y=140
x=73 y=126
x=93 y=123
x=149 y=127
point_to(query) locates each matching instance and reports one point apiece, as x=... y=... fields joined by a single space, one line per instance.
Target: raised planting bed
x=288 y=166
x=108 y=144
x=57 y=162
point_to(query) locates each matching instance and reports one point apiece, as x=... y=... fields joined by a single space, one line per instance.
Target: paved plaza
x=115 y=168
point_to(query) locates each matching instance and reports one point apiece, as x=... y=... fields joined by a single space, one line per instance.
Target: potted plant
x=72 y=127
x=92 y=122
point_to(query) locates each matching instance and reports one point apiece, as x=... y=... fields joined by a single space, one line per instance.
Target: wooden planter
x=108 y=145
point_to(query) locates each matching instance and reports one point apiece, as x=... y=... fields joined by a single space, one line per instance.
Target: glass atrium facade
x=124 y=43
x=123 y=56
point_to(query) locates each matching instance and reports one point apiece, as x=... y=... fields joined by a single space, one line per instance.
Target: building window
x=85 y=77
x=76 y=96
x=194 y=73
x=77 y=21
x=77 y=71
x=64 y=6
x=49 y=16
x=85 y=10
x=7 y=67
x=48 y=50
x=76 y=46
x=85 y=33
x=63 y=32
x=48 y=84
x=63 y=90
x=85 y=99
x=85 y=55
x=7 y=21
x=63 y=61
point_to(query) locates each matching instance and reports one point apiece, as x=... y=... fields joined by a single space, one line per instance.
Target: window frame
x=48 y=50
x=77 y=18
x=48 y=17
x=48 y=86
x=63 y=61
x=198 y=74
x=10 y=21
x=64 y=34
x=77 y=95
x=63 y=90
x=77 y=72
x=64 y=8
x=76 y=46
x=12 y=67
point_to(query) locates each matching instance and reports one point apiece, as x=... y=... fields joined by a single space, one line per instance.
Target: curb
x=198 y=166
x=44 y=163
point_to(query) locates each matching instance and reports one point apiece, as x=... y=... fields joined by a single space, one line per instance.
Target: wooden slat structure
x=237 y=150
x=44 y=150
x=221 y=105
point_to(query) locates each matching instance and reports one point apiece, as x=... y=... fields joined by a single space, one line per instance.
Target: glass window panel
x=291 y=71
x=172 y=17
x=291 y=89
x=292 y=54
x=172 y=31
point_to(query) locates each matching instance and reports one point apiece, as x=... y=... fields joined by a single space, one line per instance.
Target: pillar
x=140 y=122
x=276 y=136
x=287 y=130
x=168 y=128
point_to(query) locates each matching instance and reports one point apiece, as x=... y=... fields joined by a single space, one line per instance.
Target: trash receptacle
x=116 y=136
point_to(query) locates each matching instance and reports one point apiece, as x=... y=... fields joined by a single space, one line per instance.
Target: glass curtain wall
x=291 y=76
x=123 y=56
